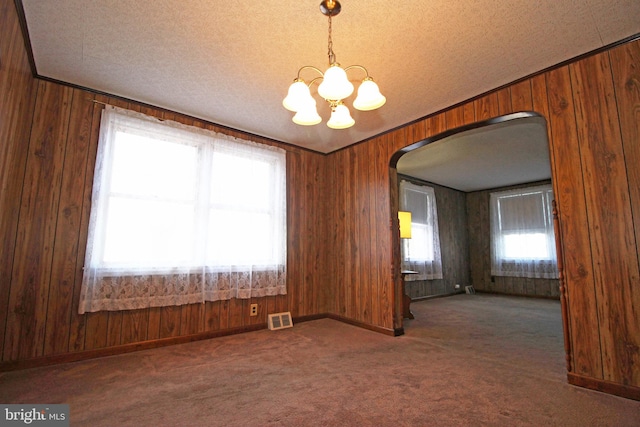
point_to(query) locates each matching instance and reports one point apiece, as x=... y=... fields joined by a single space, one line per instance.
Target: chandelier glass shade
x=334 y=87
x=340 y=117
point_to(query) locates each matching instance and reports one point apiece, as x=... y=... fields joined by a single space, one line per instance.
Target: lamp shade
x=340 y=118
x=307 y=114
x=369 y=96
x=335 y=84
x=405 y=224
x=297 y=96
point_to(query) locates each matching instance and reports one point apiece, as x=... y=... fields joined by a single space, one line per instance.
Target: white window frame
x=514 y=241
x=238 y=270
x=422 y=252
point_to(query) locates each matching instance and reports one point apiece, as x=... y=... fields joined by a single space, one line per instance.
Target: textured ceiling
x=231 y=62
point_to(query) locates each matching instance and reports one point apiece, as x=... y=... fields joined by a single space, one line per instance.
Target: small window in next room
x=522 y=237
x=421 y=253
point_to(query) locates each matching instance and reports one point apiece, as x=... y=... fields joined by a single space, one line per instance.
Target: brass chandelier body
x=334 y=88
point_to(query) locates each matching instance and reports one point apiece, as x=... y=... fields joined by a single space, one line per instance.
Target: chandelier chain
x=332 y=56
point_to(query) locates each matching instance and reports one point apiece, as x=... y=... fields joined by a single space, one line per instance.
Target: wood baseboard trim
x=121 y=349
x=147 y=345
x=309 y=318
x=511 y=294
x=379 y=329
x=436 y=296
x=626 y=391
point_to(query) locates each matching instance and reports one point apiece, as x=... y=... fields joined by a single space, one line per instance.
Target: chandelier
x=335 y=87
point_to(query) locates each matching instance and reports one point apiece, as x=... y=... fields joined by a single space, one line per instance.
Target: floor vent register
x=280 y=321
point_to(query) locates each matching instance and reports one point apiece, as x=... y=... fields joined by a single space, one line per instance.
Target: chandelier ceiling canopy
x=334 y=87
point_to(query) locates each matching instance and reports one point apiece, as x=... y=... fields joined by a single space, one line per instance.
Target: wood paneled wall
x=454 y=244
x=479 y=222
x=48 y=142
x=44 y=282
x=592 y=108
x=17 y=98
x=360 y=238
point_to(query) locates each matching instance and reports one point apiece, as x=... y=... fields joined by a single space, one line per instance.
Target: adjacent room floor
x=469 y=360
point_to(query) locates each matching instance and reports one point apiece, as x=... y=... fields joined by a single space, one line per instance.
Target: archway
x=513 y=147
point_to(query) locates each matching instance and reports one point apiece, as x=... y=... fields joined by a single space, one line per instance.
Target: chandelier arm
x=315 y=80
x=310 y=67
x=360 y=67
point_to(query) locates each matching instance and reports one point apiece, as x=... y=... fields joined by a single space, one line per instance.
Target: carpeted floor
x=467 y=360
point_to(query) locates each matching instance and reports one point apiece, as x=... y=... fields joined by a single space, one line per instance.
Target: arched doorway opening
x=505 y=152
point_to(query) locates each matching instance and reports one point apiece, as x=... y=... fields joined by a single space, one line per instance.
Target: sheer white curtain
x=421 y=253
x=522 y=237
x=182 y=215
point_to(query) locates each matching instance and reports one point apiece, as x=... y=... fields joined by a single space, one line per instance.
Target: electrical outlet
x=253 y=310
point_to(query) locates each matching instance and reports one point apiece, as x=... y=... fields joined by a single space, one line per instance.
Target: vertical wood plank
x=379 y=208
x=357 y=287
x=521 y=98
x=36 y=228
x=114 y=328
x=436 y=124
x=97 y=330
x=414 y=133
x=468 y=113
x=225 y=317
x=626 y=72
x=324 y=286
x=317 y=228
x=69 y=218
x=193 y=318
x=504 y=101
x=296 y=210
x=340 y=255
x=238 y=312
x=478 y=226
x=212 y=316
x=612 y=240
x=352 y=269
x=565 y=150
x=133 y=328
x=153 y=326
x=455 y=117
x=282 y=304
x=330 y=288
x=18 y=89
x=309 y=175
x=486 y=107
x=170 y=321
x=364 y=240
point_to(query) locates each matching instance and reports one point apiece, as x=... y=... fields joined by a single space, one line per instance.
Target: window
x=421 y=253
x=182 y=215
x=523 y=242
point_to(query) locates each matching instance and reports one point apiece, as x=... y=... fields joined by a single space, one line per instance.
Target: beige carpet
x=468 y=360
